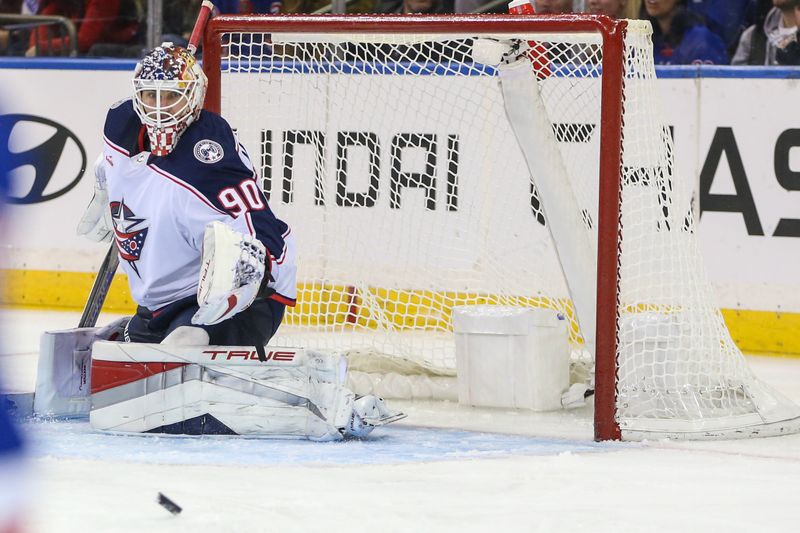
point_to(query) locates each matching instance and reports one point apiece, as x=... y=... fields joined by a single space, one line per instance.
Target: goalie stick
x=102 y=283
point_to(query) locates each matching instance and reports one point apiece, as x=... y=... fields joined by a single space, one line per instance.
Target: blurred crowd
x=720 y=32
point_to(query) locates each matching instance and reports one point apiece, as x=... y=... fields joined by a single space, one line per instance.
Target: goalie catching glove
x=231 y=273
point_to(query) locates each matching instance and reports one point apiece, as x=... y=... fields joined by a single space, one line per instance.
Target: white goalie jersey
x=161 y=206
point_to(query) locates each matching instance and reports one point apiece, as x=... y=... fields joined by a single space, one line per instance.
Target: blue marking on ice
x=75 y=439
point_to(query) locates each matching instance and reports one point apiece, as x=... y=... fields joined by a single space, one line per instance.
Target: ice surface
x=74 y=439
x=445 y=468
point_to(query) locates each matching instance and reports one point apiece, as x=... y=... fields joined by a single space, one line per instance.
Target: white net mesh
x=394 y=161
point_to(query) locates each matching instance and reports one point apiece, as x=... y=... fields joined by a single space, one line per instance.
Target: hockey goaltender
x=212 y=271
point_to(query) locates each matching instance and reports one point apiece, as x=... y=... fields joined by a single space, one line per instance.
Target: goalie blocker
x=202 y=390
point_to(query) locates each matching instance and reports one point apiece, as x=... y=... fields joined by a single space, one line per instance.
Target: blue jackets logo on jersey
x=208 y=151
x=130 y=233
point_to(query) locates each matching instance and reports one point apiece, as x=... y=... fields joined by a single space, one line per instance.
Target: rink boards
x=742 y=150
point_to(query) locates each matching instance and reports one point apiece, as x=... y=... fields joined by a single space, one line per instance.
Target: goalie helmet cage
x=490 y=159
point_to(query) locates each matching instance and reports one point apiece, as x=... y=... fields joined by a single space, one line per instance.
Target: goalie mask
x=168 y=91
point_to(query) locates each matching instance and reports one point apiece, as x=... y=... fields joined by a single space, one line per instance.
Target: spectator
x=788 y=52
x=680 y=37
x=621 y=9
x=756 y=12
x=612 y=8
x=11 y=6
x=758 y=44
x=111 y=22
x=723 y=17
x=552 y=6
x=178 y=17
x=632 y=9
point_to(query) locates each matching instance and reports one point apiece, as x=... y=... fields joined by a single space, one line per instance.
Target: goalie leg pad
x=220 y=389
x=64 y=370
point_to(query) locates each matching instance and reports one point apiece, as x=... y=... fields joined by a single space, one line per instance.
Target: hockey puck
x=168 y=504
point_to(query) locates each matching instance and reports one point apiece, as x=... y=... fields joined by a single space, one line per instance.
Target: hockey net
x=423 y=163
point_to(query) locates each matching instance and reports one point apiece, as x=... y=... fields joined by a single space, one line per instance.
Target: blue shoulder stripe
x=122 y=126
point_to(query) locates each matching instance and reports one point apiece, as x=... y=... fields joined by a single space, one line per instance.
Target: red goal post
x=638 y=399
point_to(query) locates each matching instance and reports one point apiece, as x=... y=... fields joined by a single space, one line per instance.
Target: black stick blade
x=102 y=283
